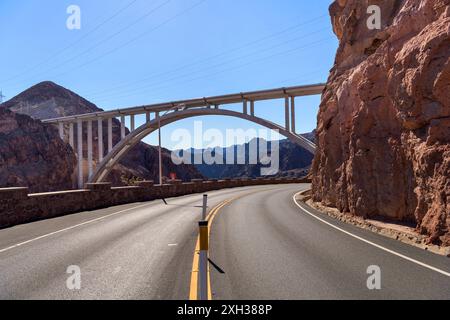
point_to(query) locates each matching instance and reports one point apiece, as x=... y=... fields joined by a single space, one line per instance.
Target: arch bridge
x=162 y=114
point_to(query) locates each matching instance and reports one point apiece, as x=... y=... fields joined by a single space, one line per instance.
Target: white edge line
x=70 y=228
x=371 y=243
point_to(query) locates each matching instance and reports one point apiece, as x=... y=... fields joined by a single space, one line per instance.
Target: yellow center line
x=194 y=273
x=193 y=291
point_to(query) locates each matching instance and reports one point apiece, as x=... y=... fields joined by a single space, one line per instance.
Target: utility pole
x=1 y=97
x=159 y=149
x=158 y=117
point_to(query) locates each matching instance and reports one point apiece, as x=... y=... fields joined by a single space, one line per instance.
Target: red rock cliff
x=33 y=155
x=384 y=121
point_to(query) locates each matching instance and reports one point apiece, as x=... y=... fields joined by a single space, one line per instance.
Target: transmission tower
x=1 y=97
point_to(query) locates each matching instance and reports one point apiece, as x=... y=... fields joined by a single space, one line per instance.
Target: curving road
x=268 y=247
x=135 y=251
x=271 y=248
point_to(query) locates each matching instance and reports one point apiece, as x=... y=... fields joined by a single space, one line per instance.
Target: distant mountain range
x=294 y=161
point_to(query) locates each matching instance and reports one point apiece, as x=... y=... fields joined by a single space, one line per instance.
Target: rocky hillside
x=294 y=162
x=32 y=153
x=384 y=122
x=49 y=100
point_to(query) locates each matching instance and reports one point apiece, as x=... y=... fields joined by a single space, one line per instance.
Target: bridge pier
x=245 y=111
x=132 y=123
x=122 y=127
x=71 y=137
x=100 y=139
x=80 y=153
x=89 y=149
x=61 y=130
x=286 y=113
x=252 y=108
x=110 y=142
x=293 y=129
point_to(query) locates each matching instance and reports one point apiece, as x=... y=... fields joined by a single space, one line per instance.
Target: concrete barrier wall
x=18 y=207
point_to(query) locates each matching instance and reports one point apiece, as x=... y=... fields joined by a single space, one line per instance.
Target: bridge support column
x=100 y=139
x=293 y=129
x=80 y=153
x=110 y=141
x=252 y=108
x=61 y=130
x=286 y=113
x=132 y=123
x=122 y=127
x=89 y=147
x=245 y=111
x=71 y=137
x=147 y=117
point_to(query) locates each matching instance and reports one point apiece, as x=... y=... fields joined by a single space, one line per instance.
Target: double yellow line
x=193 y=292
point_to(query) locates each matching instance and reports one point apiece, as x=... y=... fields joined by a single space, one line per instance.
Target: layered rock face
x=384 y=121
x=48 y=100
x=32 y=153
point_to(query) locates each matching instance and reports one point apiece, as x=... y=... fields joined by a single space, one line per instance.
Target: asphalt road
x=266 y=245
x=270 y=248
x=135 y=251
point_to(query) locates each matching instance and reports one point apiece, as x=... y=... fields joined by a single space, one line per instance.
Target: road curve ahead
x=268 y=247
x=134 y=251
x=271 y=248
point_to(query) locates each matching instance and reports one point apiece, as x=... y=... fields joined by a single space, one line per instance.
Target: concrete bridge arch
x=126 y=144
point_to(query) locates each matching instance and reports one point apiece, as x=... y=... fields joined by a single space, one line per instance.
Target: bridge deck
x=271 y=94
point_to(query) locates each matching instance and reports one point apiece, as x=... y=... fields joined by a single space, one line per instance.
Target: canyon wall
x=384 y=122
x=32 y=154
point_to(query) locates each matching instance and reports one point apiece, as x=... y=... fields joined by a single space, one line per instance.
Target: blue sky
x=135 y=52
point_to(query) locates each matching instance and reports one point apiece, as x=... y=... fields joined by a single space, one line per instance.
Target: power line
x=159 y=81
x=133 y=40
x=251 y=43
x=89 y=33
x=309 y=45
x=146 y=15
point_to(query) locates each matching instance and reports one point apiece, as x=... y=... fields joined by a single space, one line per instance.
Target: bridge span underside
x=167 y=113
